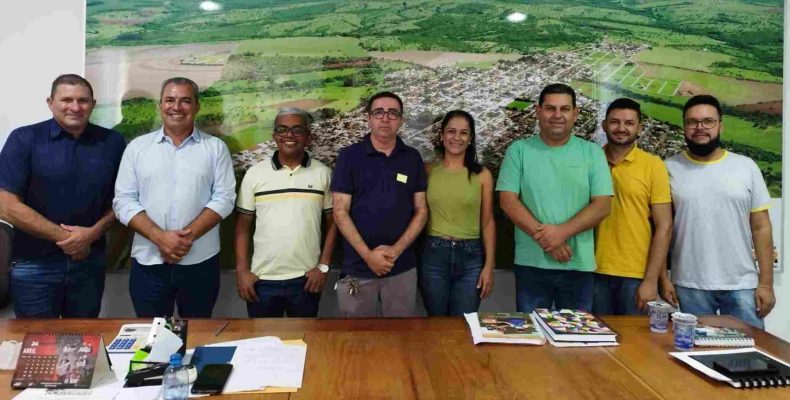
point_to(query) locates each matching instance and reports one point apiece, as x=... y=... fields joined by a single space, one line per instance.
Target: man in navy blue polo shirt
x=56 y=188
x=378 y=194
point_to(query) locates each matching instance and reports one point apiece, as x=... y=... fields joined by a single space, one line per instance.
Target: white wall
x=41 y=39
x=778 y=322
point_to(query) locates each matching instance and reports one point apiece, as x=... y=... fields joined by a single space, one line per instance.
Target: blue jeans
x=540 y=288
x=287 y=296
x=615 y=295
x=738 y=303
x=53 y=286
x=193 y=288
x=450 y=270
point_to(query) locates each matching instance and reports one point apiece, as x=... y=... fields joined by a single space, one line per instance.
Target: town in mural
x=490 y=58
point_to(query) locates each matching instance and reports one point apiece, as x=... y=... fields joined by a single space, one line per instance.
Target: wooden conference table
x=434 y=358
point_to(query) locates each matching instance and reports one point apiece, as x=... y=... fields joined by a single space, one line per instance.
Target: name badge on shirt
x=401 y=178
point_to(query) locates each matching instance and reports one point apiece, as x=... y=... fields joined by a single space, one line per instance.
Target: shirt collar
x=631 y=156
x=55 y=130
x=276 y=164
x=160 y=136
x=400 y=146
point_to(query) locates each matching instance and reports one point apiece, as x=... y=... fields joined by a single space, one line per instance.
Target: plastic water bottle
x=175 y=381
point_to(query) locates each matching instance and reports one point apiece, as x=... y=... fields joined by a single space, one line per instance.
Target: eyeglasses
x=391 y=113
x=707 y=123
x=297 y=130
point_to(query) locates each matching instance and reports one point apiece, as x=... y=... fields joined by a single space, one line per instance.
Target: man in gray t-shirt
x=721 y=202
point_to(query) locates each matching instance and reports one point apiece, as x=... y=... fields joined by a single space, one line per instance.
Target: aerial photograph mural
x=491 y=58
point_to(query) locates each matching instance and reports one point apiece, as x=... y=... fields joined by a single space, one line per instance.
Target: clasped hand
x=78 y=243
x=382 y=259
x=551 y=238
x=174 y=245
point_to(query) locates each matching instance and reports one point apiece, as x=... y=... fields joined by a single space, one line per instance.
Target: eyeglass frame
x=290 y=130
x=388 y=113
x=697 y=122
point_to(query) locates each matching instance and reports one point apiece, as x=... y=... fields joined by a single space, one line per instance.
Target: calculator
x=131 y=338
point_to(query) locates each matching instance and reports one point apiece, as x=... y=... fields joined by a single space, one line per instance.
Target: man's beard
x=703 y=150
x=629 y=141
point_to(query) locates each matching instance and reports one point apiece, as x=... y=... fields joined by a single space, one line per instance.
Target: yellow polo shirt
x=622 y=239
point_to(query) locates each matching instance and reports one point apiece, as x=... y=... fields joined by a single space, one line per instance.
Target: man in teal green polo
x=555 y=187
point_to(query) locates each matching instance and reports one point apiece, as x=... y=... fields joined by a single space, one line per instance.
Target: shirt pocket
x=575 y=175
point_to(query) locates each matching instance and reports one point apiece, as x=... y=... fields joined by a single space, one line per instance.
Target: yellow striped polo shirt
x=288 y=205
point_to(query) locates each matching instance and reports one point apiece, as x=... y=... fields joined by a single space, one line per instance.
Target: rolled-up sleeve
x=126 y=203
x=223 y=191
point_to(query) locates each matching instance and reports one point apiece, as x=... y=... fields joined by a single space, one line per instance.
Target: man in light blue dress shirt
x=174 y=186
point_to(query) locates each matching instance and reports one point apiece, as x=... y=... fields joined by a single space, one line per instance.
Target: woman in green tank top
x=457 y=269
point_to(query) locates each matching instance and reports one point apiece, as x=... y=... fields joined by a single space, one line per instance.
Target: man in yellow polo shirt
x=629 y=253
x=288 y=197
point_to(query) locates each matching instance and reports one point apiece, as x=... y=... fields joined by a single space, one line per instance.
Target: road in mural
x=491 y=58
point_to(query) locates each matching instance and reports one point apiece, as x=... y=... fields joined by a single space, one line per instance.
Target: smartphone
x=211 y=380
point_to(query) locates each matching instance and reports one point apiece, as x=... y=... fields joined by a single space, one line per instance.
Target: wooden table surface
x=434 y=358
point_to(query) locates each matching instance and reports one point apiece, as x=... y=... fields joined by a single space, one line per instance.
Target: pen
x=221 y=328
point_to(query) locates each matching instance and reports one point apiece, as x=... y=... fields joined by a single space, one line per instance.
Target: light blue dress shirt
x=173 y=184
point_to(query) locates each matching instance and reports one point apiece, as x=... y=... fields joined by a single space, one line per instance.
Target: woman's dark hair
x=470 y=158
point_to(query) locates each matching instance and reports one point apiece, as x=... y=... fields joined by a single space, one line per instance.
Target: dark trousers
x=157 y=289
x=6 y=236
x=615 y=295
x=542 y=288
x=283 y=297
x=55 y=285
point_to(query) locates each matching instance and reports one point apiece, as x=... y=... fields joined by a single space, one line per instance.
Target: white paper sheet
x=166 y=343
x=265 y=362
x=103 y=393
x=9 y=353
x=263 y=340
x=139 y=393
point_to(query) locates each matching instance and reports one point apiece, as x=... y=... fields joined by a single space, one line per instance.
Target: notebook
x=719 y=336
x=741 y=368
x=573 y=326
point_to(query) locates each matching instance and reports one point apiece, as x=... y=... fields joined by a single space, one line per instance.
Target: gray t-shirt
x=712 y=241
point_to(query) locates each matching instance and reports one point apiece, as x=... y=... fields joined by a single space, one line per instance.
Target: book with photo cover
x=719 y=336
x=741 y=368
x=62 y=361
x=514 y=328
x=573 y=326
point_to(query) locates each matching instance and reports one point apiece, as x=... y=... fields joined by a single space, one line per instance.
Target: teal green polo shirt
x=555 y=183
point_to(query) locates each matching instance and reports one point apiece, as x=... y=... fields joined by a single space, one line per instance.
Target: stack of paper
x=266 y=364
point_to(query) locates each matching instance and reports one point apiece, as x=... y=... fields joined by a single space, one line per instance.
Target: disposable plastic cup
x=683 y=325
x=659 y=316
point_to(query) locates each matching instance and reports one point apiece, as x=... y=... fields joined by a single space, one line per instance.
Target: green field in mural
x=251 y=57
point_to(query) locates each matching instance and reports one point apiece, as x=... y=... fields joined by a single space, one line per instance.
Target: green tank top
x=454 y=203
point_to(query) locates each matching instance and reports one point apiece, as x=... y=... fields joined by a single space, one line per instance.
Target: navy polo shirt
x=68 y=181
x=382 y=202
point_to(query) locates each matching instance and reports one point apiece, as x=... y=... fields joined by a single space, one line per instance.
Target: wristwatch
x=323 y=268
